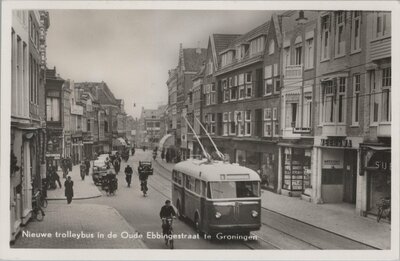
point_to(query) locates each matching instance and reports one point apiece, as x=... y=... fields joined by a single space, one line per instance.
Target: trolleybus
x=217 y=196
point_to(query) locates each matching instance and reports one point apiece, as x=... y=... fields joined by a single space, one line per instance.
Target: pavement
x=83 y=189
x=340 y=219
x=63 y=224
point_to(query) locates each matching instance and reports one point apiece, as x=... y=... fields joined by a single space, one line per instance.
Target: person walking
x=87 y=163
x=163 y=154
x=128 y=175
x=55 y=176
x=167 y=156
x=69 y=189
x=117 y=165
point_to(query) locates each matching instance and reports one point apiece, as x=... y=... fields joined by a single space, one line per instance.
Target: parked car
x=99 y=171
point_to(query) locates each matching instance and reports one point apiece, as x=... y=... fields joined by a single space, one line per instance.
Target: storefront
x=377 y=167
x=337 y=166
x=296 y=170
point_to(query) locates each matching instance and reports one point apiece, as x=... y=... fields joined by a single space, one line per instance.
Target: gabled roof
x=193 y=58
x=219 y=42
x=100 y=91
x=260 y=30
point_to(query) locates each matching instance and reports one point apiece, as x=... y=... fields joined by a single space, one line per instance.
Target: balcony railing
x=294 y=71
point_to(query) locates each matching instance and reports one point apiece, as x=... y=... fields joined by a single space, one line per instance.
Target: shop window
x=295 y=163
x=267 y=171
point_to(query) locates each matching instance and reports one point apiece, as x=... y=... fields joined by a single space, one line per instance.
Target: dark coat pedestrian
x=117 y=166
x=55 y=176
x=162 y=154
x=87 y=163
x=128 y=173
x=69 y=189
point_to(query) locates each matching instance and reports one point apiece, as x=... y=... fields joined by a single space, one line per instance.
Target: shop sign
x=332 y=159
x=378 y=160
x=344 y=143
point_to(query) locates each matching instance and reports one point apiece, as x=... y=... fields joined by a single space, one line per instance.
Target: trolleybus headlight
x=254 y=214
x=218 y=215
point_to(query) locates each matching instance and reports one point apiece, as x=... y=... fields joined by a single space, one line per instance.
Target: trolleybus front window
x=234 y=189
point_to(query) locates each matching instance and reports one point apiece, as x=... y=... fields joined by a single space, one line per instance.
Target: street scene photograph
x=200 y=129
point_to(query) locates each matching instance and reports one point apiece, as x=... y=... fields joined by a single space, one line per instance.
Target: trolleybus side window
x=189 y=184
x=197 y=186
x=177 y=177
x=234 y=189
x=203 y=188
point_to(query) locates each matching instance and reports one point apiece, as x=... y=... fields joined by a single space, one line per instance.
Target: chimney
x=301 y=19
x=198 y=50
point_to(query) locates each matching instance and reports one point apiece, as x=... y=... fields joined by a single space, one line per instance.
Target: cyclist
x=166 y=212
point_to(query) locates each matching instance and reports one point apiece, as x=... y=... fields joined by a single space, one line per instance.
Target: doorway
x=350 y=176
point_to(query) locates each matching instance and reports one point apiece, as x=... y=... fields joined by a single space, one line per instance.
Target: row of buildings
x=304 y=99
x=52 y=118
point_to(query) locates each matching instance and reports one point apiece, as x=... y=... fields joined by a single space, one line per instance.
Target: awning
x=380 y=148
x=167 y=141
x=119 y=142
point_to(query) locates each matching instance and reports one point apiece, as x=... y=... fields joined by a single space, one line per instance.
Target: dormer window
x=241 y=51
x=257 y=45
x=227 y=58
x=271 y=47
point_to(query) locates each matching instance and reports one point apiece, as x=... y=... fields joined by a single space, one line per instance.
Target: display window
x=296 y=169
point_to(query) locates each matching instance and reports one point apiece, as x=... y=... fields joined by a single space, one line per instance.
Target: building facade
x=28 y=124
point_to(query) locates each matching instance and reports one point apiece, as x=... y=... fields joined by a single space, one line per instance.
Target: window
x=276 y=123
x=241 y=92
x=268 y=86
x=277 y=84
x=247 y=123
x=225 y=90
x=210 y=123
x=88 y=125
x=267 y=129
x=213 y=94
x=307 y=110
x=355 y=31
x=256 y=45
x=267 y=114
x=227 y=58
x=271 y=47
x=386 y=97
x=248 y=77
x=325 y=28
x=309 y=54
x=197 y=186
x=383 y=24
x=105 y=126
x=356 y=98
x=249 y=90
x=233 y=93
x=374 y=97
x=328 y=104
x=342 y=99
x=177 y=177
x=286 y=57
x=232 y=123
x=239 y=118
x=225 y=120
x=298 y=55
x=210 y=67
x=340 y=42
x=52 y=109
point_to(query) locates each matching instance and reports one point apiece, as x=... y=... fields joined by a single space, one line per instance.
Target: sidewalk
x=83 y=219
x=83 y=189
x=336 y=218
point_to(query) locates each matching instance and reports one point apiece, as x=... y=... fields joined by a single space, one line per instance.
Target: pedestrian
x=69 y=189
x=162 y=154
x=55 y=176
x=117 y=166
x=128 y=175
x=87 y=163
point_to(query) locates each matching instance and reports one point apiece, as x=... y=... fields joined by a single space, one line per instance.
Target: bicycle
x=37 y=211
x=42 y=199
x=168 y=237
x=384 y=209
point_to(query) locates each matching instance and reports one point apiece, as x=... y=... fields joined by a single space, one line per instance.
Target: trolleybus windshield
x=234 y=189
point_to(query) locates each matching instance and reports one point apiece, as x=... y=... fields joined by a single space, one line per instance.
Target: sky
x=132 y=50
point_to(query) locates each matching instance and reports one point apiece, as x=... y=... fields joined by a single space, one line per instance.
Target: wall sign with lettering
x=343 y=143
